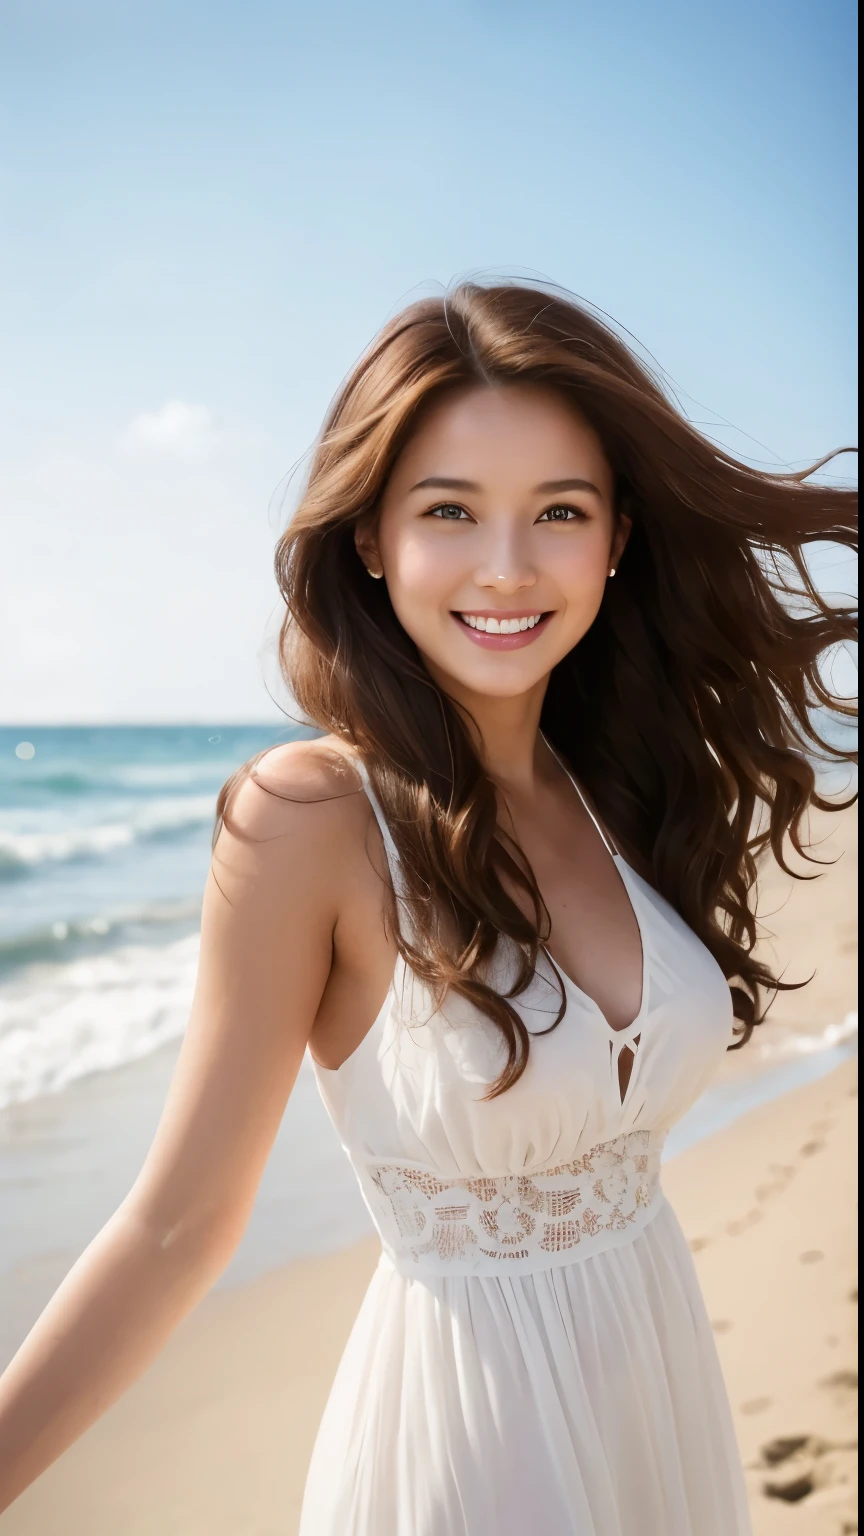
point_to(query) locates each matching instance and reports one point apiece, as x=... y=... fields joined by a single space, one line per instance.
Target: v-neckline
x=628 y=1031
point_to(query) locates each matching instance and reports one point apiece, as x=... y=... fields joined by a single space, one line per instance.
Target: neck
x=506 y=734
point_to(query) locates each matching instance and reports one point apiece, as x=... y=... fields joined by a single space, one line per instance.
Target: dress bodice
x=457 y=1181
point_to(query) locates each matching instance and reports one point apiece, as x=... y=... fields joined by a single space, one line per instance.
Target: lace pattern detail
x=516 y=1218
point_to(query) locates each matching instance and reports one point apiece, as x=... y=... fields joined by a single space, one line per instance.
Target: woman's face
x=496 y=535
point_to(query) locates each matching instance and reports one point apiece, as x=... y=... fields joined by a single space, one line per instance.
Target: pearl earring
x=612 y=571
x=376 y=575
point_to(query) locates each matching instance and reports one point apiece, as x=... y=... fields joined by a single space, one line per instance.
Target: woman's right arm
x=269 y=913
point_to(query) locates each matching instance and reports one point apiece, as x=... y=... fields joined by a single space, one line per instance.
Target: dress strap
x=607 y=840
x=393 y=861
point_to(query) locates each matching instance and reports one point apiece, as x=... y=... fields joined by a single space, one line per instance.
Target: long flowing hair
x=691 y=710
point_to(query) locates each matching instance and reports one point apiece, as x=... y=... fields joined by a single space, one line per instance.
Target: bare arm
x=270 y=909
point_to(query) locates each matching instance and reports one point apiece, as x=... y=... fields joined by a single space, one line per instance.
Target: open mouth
x=502 y=631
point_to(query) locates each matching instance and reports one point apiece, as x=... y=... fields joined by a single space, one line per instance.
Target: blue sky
x=209 y=209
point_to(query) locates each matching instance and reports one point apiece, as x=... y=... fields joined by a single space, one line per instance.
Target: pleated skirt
x=584 y=1400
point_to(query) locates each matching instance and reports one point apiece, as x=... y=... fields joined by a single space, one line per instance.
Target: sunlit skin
x=500 y=505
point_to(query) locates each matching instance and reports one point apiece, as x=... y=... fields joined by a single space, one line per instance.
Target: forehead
x=523 y=431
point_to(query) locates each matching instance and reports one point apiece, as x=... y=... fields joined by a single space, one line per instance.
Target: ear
x=366 y=545
x=623 y=529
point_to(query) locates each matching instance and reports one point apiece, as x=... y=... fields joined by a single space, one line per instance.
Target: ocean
x=104 y=848
x=105 y=835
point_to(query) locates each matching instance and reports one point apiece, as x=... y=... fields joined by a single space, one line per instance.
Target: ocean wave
x=144 y=778
x=62 y=783
x=22 y=853
x=61 y=940
x=794 y=1043
x=92 y=1015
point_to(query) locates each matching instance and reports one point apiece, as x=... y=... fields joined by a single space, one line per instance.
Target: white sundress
x=533 y=1356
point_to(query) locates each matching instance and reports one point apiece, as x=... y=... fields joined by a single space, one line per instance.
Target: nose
x=505 y=566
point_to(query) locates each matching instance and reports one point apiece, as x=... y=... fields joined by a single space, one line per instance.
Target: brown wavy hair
x=689 y=710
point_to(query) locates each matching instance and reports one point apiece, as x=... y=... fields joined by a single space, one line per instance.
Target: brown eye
x=561 y=514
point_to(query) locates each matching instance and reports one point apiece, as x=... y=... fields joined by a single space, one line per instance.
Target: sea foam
x=92 y=1014
x=22 y=852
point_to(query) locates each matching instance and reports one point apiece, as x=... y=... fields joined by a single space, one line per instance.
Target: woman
x=547 y=629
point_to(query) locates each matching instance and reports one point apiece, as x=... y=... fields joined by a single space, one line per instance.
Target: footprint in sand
x=843 y=1386
x=722 y=1325
x=698 y=1243
x=756 y=1405
x=775 y=1451
x=811 y=1147
x=802 y=1463
x=767 y=1191
x=777 y=1184
x=812 y=1256
x=792 y=1487
x=750 y=1220
x=791 y=1458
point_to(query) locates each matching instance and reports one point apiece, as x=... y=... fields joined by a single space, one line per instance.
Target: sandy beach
x=216 y=1437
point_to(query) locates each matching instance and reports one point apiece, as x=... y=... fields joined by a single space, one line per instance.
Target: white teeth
x=501 y=626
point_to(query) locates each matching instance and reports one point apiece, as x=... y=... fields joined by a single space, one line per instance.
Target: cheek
x=420 y=568
x=578 y=566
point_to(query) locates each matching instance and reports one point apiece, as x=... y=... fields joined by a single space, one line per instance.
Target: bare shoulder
x=304 y=792
x=310 y=771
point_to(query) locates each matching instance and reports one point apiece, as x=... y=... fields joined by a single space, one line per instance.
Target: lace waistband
x=516 y=1223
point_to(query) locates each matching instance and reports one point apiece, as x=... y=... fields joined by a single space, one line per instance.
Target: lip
x=515 y=642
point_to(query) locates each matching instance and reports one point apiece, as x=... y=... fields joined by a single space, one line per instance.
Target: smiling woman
x=540 y=562
x=505 y=903
x=681 y=692
x=494 y=462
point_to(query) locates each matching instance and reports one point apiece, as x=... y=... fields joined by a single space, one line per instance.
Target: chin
x=493 y=682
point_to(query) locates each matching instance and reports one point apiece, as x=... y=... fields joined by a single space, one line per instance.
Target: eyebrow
x=554 y=486
x=548 y=487
x=445 y=483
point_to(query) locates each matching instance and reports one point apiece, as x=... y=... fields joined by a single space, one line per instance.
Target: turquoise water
x=104 y=848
